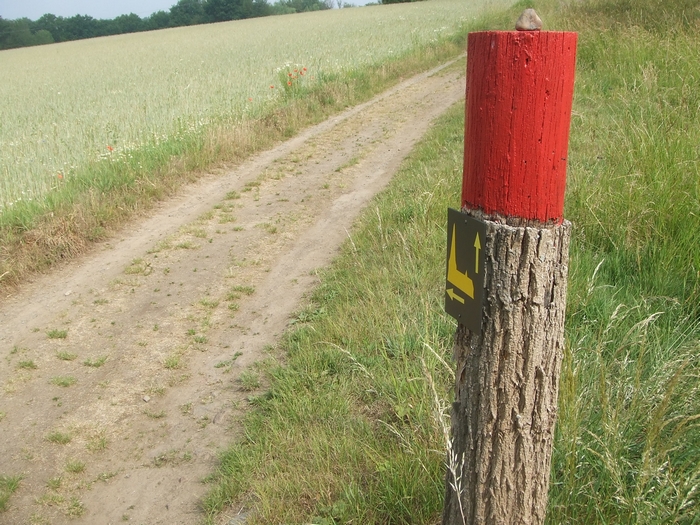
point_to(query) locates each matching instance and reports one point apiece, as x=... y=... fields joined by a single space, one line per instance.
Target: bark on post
x=519 y=95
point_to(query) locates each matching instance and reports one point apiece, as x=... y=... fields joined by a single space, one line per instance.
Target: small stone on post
x=529 y=21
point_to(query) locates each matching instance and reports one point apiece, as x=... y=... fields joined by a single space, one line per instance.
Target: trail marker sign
x=464 y=288
x=511 y=305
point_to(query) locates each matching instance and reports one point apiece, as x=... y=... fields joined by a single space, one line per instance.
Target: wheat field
x=66 y=105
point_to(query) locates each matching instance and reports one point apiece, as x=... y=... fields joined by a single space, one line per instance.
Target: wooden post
x=519 y=96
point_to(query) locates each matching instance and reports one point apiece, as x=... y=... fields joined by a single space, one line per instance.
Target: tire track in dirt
x=121 y=419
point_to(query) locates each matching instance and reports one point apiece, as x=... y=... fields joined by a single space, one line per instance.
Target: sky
x=33 y=9
x=105 y=9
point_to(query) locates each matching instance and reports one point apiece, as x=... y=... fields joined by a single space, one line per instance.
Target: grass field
x=68 y=105
x=352 y=428
x=629 y=430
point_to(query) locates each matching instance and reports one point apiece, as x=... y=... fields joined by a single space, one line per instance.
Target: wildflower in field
x=290 y=78
x=110 y=149
x=59 y=176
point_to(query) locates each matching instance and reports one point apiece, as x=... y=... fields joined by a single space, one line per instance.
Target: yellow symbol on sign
x=461 y=280
x=454 y=296
x=477 y=246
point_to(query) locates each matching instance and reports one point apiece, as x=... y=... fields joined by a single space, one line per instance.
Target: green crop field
x=65 y=106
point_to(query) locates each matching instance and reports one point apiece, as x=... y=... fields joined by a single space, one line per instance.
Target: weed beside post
x=519 y=96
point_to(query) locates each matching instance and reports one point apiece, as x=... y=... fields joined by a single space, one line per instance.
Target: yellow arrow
x=477 y=245
x=461 y=280
x=454 y=296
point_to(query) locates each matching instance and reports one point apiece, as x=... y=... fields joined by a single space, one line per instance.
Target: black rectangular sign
x=464 y=289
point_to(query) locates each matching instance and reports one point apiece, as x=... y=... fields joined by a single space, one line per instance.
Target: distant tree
x=261 y=8
x=18 y=33
x=53 y=24
x=106 y=28
x=222 y=10
x=301 y=6
x=80 y=26
x=51 y=28
x=158 y=20
x=43 y=37
x=5 y=28
x=282 y=9
x=254 y=8
x=130 y=23
x=187 y=13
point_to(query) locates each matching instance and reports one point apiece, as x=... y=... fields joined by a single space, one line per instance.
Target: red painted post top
x=520 y=88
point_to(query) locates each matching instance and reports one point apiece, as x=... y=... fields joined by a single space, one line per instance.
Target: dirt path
x=123 y=374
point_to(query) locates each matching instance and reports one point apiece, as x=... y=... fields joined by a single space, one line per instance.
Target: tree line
x=51 y=28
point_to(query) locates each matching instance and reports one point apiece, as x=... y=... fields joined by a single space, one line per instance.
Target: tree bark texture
x=508 y=379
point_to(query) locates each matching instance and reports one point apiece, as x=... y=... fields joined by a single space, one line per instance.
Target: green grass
x=64 y=381
x=75 y=466
x=8 y=486
x=249 y=381
x=54 y=483
x=228 y=363
x=57 y=334
x=59 y=438
x=75 y=508
x=173 y=361
x=628 y=435
x=95 y=363
x=27 y=364
x=351 y=428
x=97 y=443
x=155 y=415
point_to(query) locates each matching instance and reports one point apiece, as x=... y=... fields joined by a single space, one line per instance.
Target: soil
x=125 y=373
